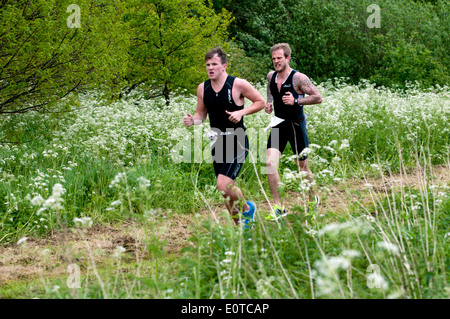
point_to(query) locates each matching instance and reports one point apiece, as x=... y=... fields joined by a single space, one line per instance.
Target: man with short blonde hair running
x=286 y=92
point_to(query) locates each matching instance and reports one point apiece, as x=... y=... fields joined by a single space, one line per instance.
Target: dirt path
x=50 y=256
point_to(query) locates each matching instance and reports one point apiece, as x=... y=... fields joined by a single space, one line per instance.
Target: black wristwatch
x=295 y=101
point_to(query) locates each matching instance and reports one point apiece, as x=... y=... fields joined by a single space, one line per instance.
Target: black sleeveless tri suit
x=231 y=147
x=293 y=129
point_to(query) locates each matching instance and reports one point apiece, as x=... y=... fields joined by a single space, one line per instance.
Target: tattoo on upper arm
x=304 y=84
x=269 y=93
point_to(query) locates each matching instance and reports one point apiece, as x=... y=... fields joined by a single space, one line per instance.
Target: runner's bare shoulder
x=269 y=75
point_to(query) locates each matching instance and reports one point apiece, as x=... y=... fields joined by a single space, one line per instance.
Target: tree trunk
x=166 y=93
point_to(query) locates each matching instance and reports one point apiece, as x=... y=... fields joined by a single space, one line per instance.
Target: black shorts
x=230 y=160
x=292 y=132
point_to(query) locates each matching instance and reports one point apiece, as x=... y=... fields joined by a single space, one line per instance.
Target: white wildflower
x=388 y=247
x=344 y=145
x=311 y=232
x=116 y=203
x=331 y=264
x=37 y=200
x=84 y=222
x=306 y=151
x=377 y=281
x=329 y=149
x=326 y=286
x=143 y=182
x=225 y=261
x=351 y=253
x=327 y=276
x=336 y=263
x=118 y=252
x=375 y=166
x=22 y=240
x=336 y=159
x=333 y=142
x=327 y=171
x=54 y=202
x=117 y=179
x=335 y=229
x=58 y=190
x=396 y=294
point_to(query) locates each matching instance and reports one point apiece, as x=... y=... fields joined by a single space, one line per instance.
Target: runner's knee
x=224 y=186
x=272 y=165
x=273 y=158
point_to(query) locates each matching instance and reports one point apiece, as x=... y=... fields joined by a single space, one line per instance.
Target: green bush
x=406 y=62
x=332 y=38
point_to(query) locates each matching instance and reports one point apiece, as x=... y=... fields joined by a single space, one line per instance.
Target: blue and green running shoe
x=276 y=213
x=248 y=218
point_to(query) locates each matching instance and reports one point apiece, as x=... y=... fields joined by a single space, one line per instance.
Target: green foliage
x=332 y=38
x=170 y=40
x=160 y=45
x=329 y=257
x=110 y=161
x=355 y=128
x=404 y=62
x=43 y=60
x=113 y=164
x=240 y=65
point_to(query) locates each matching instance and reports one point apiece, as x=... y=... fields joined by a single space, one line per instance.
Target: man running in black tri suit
x=221 y=97
x=286 y=90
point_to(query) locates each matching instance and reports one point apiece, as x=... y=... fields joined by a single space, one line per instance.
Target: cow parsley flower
x=389 y=247
x=118 y=252
x=37 y=200
x=22 y=240
x=84 y=222
x=344 y=145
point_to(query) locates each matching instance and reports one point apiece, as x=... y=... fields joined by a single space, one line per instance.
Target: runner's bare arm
x=302 y=84
x=269 y=106
x=247 y=91
x=201 y=112
x=269 y=93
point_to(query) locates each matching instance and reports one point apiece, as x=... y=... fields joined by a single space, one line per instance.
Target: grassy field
x=97 y=199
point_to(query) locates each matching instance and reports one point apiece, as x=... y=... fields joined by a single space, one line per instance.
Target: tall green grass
x=113 y=163
x=392 y=246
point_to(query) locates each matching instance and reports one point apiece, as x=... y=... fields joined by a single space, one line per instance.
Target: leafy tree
x=170 y=39
x=47 y=51
x=331 y=38
x=245 y=67
x=404 y=62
